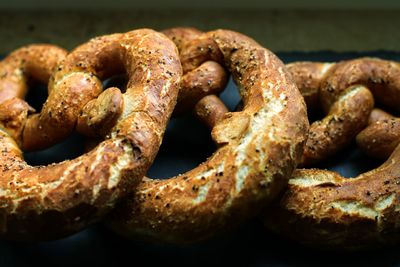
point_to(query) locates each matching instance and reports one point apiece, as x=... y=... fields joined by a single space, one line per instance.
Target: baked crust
x=33 y=62
x=208 y=78
x=322 y=209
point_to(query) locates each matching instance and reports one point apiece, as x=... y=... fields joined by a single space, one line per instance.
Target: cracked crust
x=322 y=209
x=258 y=149
x=49 y=202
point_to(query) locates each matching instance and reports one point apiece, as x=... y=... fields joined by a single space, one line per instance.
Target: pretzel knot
x=47 y=202
x=322 y=208
x=258 y=148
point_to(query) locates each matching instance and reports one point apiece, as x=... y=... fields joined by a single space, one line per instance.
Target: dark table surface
x=186 y=144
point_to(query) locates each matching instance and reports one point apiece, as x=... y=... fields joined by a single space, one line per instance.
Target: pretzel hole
x=187 y=142
x=119 y=80
x=36 y=96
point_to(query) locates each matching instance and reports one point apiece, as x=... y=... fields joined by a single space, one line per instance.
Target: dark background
x=186 y=144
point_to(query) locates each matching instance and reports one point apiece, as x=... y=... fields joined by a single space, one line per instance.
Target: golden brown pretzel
x=308 y=77
x=35 y=62
x=258 y=149
x=206 y=79
x=381 y=136
x=321 y=208
x=47 y=202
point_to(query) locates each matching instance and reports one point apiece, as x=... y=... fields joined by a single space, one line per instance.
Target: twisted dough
x=29 y=63
x=48 y=202
x=258 y=149
x=205 y=79
x=208 y=78
x=326 y=82
x=35 y=62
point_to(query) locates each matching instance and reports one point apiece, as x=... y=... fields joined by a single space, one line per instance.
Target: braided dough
x=258 y=149
x=48 y=202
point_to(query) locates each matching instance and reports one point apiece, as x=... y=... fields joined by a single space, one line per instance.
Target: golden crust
x=258 y=149
x=380 y=76
x=346 y=118
x=48 y=202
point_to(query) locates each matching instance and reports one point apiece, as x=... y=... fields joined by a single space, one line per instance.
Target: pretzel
x=48 y=202
x=382 y=135
x=258 y=148
x=321 y=208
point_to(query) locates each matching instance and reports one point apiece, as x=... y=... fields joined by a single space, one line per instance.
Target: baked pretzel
x=258 y=148
x=382 y=135
x=48 y=202
x=321 y=208
x=33 y=62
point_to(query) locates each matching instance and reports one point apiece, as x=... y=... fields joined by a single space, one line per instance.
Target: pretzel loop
x=48 y=202
x=321 y=208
